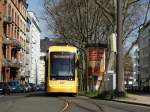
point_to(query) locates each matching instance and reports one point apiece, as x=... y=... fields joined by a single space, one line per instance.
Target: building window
x=9 y=9
x=15 y=18
x=18 y=21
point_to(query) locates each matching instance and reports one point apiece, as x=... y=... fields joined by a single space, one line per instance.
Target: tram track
x=65 y=107
x=94 y=103
x=70 y=102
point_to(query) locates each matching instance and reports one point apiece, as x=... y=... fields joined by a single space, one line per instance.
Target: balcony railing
x=16 y=63
x=6 y=62
x=6 y=40
x=8 y=19
x=27 y=61
x=12 y=41
x=12 y=63
x=27 y=39
x=27 y=50
x=28 y=27
x=27 y=74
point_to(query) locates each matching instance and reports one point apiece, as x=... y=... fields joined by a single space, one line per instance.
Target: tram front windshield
x=62 y=66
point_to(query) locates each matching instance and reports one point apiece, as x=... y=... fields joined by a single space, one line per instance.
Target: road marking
x=66 y=106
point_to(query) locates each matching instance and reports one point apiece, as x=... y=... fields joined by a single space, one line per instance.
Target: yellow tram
x=61 y=69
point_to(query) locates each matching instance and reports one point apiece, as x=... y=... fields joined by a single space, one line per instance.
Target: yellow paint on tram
x=62 y=74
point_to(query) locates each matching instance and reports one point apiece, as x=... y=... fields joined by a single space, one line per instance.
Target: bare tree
x=81 y=22
x=145 y=11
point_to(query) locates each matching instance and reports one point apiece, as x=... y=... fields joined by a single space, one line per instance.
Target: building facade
x=44 y=44
x=2 y=3
x=136 y=66
x=144 y=51
x=128 y=71
x=28 y=53
x=41 y=77
x=13 y=36
x=34 y=46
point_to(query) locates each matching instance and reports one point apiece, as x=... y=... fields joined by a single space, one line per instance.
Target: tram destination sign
x=57 y=56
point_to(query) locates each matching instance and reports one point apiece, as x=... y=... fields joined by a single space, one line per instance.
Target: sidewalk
x=138 y=99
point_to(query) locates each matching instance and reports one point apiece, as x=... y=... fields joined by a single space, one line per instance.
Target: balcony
x=28 y=27
x=11 y=63
x=16 y=43
x=8 y=19
x=27 y=63
x=6 y=40
x=27 y=38
x=27 y=74
x=6 y=62
x=27 y=50
x=15 y=63
x=11 y=41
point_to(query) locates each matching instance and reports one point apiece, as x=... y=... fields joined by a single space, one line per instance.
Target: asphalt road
x=42 y=103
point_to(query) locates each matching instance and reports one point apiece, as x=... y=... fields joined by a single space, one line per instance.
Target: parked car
x=33 y=87
x=28 y=87
x=37 y=88
x=4 y=88
x=1 y=88
x=13 y=85
x=20 y=88
x=41 y=87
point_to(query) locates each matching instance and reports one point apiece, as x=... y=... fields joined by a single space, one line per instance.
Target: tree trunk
x=119 y=69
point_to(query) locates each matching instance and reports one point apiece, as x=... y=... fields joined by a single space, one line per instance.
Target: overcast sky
x=37 y=7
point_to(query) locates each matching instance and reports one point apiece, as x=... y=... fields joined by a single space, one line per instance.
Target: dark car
x=28 y=87
x=20 y=89
x=41 y=87
x=1 y=88
x=37 y=88
x=13 y=85
x=33 y=87
x=4 y=88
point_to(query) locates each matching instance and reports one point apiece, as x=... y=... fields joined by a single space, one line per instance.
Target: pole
x=119 y=66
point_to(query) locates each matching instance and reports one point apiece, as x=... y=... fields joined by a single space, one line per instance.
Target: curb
x=128 y=102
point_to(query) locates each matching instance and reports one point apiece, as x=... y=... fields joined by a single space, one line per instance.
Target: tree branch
x=145 y=19
x=104 y=8
x=135 y=1
x=133 y=29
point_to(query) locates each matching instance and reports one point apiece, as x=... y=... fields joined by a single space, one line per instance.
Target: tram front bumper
x=63 y=89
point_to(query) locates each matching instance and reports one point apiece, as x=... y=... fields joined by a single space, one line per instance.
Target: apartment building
x=136 y=66
x=144 y=51
x=44 y=44
x=41 y=77
x=2 y=3
x=13 y=36
x=34 y=55
x=128 y=71
x=28 y=50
